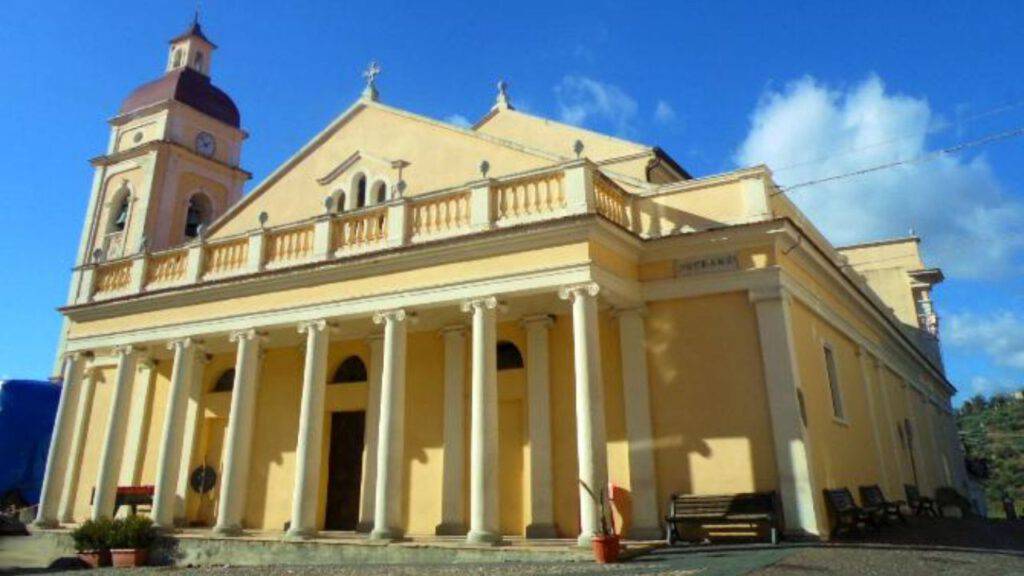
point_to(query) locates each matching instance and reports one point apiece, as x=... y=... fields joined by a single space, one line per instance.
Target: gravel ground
x=901 y=561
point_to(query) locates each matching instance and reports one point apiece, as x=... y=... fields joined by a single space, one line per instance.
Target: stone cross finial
x=371 y=73
x=503 y=100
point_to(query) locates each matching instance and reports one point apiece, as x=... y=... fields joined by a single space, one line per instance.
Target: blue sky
x=824 y=87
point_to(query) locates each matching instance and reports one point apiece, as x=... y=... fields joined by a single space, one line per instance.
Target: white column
x=453 y=509
x=782 y=380
x=82 y=416
x=368 y=489
x=591 y=444
x=169 y=460
x=646 y=523
x=876 y=433
x=483 y=440
x=238 y=439
x=113 y=444
x=54 y=478
x=192 y=426
x=138 y=423
x=538 y=392
x=391 y=429
x=311 y=429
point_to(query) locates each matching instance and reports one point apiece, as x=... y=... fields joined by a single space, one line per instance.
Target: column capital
x=487 y=303
x=249 y=334
x=768 y=293
x=544 y=321
x=574 y=291
x=395 y=315
x=321 y=325
x=184 y=343
x=74 y=356
x=126 y=349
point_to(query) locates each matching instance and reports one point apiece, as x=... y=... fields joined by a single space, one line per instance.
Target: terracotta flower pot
x=95 y=558
x=129 y=557
x=606 y=549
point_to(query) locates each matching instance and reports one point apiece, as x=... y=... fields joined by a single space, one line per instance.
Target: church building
x=414 y=328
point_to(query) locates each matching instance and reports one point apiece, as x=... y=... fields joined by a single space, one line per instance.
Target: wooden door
x=344 y=470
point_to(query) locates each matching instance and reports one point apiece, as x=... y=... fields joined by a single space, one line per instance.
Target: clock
x=205 y=144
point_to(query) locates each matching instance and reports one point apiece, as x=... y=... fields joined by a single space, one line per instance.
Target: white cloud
x=664 y=113
x=998 y=335
x=988 y=387
x=458 y=120
x=582 y=100
x=808 y=130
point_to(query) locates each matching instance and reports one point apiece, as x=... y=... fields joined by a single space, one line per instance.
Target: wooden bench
x=747 y=508
x=918 y=504
x=848 y=515
x=873 y=500
x=948 y=497
x=131 y=496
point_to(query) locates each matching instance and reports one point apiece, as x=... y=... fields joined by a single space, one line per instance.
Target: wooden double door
x=344 y=470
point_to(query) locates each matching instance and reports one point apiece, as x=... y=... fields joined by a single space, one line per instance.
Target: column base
x=364 y=527
x=646 y=533
x=384 y=535
x=483 y=537
x=46 y=523
x=799 y=535
x=300 y=534
x=233 y=530
x=545 y=530
x=584 y=540
x=450 y=529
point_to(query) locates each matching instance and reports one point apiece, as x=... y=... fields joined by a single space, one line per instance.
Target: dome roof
x=188 y=87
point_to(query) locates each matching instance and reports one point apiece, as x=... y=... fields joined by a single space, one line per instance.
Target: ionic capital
x=485 y=303
x=183 y=344
x=574 y=291
x=126 y=350
x=390 y=316
x=313 y=325
x=250 y=334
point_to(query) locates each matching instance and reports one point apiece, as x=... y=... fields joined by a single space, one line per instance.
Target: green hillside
x=993 y=430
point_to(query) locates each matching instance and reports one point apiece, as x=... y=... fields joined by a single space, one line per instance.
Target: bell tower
x=191 y=49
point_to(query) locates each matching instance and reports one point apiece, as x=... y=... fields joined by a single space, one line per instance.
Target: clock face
x=205 y=144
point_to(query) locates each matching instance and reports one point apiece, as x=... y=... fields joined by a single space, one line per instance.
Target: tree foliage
x=993 y=430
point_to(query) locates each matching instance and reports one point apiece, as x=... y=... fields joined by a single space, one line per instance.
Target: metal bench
x=748 y=508
x=873 y=500
x=848 y=515
x=919 y=505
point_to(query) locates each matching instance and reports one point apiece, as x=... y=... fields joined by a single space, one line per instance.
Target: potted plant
x=91 y=542
x=130 y=540
x=606 y=542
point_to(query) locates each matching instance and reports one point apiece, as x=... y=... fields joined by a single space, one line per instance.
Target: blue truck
x=27 y=412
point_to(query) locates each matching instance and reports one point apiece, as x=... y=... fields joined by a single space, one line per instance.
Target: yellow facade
x=710 y=266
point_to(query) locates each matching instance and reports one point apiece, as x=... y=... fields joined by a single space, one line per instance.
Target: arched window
x=198 y=61
x=177 y=58
x=121 y=215
x=351 y=369
x=339 y=201
x=380 y=192
x=509 y=357
x=360 y=191
x=225 y=382
x=196 y=215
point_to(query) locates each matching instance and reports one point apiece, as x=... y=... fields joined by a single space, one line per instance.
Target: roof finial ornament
x=503 y=99
x=371 y=73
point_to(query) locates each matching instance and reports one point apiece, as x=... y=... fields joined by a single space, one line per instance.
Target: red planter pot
x=606 y=549
x=95 y=558
x=129 y=557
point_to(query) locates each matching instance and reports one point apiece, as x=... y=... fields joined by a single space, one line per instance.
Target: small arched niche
x=225 y=382
x=509 y=356
x=197 y=214
x=359 y=191
x=380 y=192
x=351 y=370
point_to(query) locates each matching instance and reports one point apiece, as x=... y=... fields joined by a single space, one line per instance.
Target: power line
x=959 y=122
x=917 y=159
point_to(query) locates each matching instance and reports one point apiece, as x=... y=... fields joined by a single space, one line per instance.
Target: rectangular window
x=833 y=384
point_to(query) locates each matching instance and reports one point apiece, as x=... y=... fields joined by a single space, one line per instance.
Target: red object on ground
x=606 y=549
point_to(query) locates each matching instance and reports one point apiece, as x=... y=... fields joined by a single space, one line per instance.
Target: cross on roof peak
x=371 y=73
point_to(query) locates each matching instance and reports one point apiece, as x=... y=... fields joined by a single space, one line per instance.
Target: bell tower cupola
x=191 y=49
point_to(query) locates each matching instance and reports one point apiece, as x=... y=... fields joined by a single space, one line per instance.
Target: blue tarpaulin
x=27 y=412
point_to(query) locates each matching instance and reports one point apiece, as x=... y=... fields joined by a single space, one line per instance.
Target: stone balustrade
x=569 y=189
